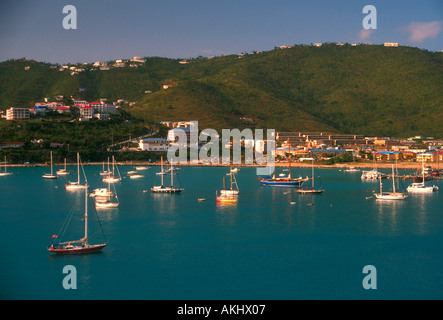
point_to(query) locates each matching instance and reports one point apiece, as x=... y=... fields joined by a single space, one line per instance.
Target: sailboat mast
x=51 y=164
x=78 y=168
x=86 y=213
x=393 y=179
x=172 y=175
x=289 y=160
x=161 y=171
x=312 y=173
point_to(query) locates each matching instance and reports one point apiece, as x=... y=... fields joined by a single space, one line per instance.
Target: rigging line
x=67 y=221
x=84 y=174
x=100 y=224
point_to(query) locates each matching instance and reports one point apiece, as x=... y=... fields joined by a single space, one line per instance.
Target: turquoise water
x=175 y=247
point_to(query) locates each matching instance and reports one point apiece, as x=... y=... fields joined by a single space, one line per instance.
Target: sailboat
x=111 y=177
x=283 y=181
x=50 y=175
x=105 y=198
x=162 y=171
x=63 y=172
x=75 y=185
x=420 y=187
x=105 y=172
x=164 y=189
x=373 y=174
x=229 y=194
x=311 y=189
x=233 y=188
x=76 y=246
x=394 y=195
x=5 y=173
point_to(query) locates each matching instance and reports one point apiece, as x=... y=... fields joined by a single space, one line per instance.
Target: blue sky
x=119 y=29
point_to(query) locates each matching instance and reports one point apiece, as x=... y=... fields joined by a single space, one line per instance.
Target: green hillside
x=365 y=89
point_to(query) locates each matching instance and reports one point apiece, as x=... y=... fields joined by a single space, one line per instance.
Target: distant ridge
x=363 y=89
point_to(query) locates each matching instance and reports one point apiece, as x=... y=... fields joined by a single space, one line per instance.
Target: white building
x=391 y=44
x=86 y=113
x=154 y=144
x=17 y=113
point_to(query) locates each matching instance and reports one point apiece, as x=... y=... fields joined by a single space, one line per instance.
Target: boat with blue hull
x=284 y=181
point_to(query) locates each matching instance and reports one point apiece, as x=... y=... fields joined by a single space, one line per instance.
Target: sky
x=120 y=29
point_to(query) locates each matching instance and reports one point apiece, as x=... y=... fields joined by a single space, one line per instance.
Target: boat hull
x=76 y=249
x=106 y=204
x=282 y=183
x=2 y=174
x=391 y=196
x=310 y=190
x=166 y=190
x=49 y=176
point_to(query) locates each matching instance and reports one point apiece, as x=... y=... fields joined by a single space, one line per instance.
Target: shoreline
x=364 y=165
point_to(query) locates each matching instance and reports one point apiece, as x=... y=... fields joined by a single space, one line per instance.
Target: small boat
x=63 y=172
x=76 y=185
x=132 y=172
x=310 y=190
x=287 y=181
x=226 y=199
x=201 y=199
x=233 y=189
x=229 y=195
x=105 y=172
x=76 y=246
x=394 y=195
x=165 y=189
x=50 y=175
x=351 y=169
x=5 y=173
x=421 y=187
x=105 y=197
x=141 y=168
x=111 y=178
x=136 y=176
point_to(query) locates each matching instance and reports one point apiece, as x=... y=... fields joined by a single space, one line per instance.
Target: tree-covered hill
x=364 y=89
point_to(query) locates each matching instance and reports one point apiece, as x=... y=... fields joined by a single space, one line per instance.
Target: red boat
x=77 y=246
x=75 y=249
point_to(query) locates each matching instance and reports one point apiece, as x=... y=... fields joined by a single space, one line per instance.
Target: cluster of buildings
x=87 y=110
x=101 y=110
x=323 y=145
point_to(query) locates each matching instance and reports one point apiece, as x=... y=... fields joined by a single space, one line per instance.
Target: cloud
x=420 y=31
x=365 y=34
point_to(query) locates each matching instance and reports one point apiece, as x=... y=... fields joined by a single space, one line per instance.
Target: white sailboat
x=165 y=189
x=63 y=172
x=105 y=172
x=105 y=197
x=50 y=175
x=311 y=190
x=421 y=187
x=394 y=195
x=373 y=174
x=233 y=189
x=5 y=173
x=76 y=185
x=229 y=195
x=112 y=177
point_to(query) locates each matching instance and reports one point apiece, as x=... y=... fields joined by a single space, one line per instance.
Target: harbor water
x=273 y=244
